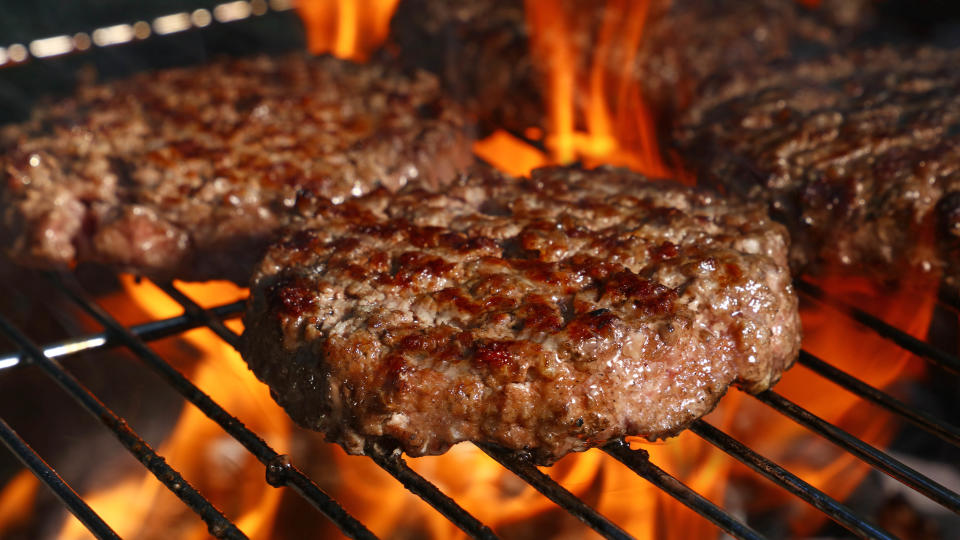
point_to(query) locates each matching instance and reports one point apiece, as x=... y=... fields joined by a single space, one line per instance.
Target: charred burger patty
x=189 y=172
x=858 y=154
x=547 y=315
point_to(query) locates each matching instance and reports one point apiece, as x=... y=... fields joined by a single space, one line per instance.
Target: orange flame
x=215 y=463
x=223 y=471
x=597 y=115
x=596 y=110
x=351 y=29
x=16 y=501
x=861 y=352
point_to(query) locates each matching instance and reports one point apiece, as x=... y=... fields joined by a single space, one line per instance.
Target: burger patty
x=547 y=315
x=481 y=48
x=858 y=153
x=189 y=172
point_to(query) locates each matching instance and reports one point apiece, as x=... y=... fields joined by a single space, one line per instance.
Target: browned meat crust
x=189 y=172
x=480 y=48
x=854 y=153
x=689 y=42
x=547 y=315
x=480 y=51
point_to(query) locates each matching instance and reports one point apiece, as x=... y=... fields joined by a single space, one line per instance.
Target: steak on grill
x=189 y=172
x=858 y=153
x=547 y=315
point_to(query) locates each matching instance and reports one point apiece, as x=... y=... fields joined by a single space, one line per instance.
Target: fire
x=16 y=501
x=596 y=110
x=224 y=472
x=597 y=114
x=216 y=464
x=859 y=351
x=351 y=29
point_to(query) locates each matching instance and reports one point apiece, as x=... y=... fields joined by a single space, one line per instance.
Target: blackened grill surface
x=187 y=173
x=546 y=315
x=857 y=153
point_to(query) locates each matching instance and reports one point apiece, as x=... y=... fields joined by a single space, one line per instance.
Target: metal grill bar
x=195 y=311
x=947 y=432
x=280 y=475
x=901 y=338
x=554 y=491
x=280 y=472
x=714 y=514
x=424 y=489
x=639 y=462
x=867 y=453
x=218 y=525
x=31 y=460
x=789 y=481
x=150 y=331
x=395 y=466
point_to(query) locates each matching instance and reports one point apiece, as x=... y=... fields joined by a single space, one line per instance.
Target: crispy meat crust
x=189 y=172
x=546 y=315
x=858 y=153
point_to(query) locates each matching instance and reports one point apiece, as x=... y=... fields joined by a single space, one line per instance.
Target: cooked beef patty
x=859 y=154
x=481 y=49
x=188 y=172
x=547 y=315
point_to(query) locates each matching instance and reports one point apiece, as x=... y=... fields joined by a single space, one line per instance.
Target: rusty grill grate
x=281 y=473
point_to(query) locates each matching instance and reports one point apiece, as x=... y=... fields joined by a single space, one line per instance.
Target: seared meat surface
x=547 y=315
x=189 y=172
x=858 y=153
x=481 y=49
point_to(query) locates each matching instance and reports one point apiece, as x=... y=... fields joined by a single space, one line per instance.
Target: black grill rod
x=286 y=475
x=789 y=481
x=218 y=525
x=901 y=338
x=395 y=466
x=639 y=462
x=31 y=460
x=424 y=489
x=150 y=331
x=554 y=491
x=196 y=311
x=865 y=452
x=946 y=431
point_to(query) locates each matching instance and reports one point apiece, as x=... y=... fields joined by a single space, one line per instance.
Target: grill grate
x=279 y=471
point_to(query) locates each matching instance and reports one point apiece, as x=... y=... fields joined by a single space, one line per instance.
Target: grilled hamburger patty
x=858 y=153
x=481 y=49
x=189 y=172
x=546 y=315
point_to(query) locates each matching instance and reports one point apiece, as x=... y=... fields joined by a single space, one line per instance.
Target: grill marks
x=435 y=319
x=189 y=173
x=856 y=152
